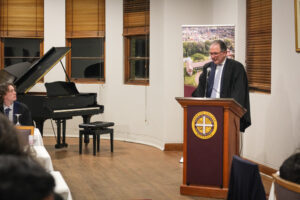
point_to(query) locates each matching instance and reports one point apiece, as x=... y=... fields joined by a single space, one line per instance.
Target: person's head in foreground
x=24 y=179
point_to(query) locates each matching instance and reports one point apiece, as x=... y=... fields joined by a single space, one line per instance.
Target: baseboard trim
x=262 y=168
x=173 y=147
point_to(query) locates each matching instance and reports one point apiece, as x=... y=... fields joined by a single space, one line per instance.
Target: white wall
x=54 y=35
x=151 y=115
x=141 y=114
x=54 y=28
x=275 y=131
x=176 y=14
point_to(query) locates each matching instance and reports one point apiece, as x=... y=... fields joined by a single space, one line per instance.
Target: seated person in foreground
x=290 y=168
x=10 y=106
x=9 y=142
x=23 y=178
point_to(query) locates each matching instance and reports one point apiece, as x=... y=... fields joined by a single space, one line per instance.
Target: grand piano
x=62 y=100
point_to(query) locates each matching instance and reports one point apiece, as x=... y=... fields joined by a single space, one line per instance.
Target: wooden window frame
x=259 y=45
x=136 y=22
x=127 y=64
x=83 y=80
x=2 y=57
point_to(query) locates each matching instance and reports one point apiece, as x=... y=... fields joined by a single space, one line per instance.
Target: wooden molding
x=173 y=147
x=294 y=187
x=263 y=169
x=230 y=103
x=204 y=191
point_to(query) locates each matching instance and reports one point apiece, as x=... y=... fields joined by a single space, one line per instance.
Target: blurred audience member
x=290 y=168
x=9 y=142
x=23 y=178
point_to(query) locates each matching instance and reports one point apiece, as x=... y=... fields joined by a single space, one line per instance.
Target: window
x=136 y=39
x=21 y=31
x=87 y=58
x=138 y=58
x=259 y=41
x=85 y=34
x=18 y=50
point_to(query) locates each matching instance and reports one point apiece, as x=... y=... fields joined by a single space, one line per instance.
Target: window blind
x=22 y=18
x=259 y=40
x=136 y=17
x=85 y=18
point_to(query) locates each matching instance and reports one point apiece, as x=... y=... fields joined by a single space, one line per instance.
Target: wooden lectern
x=211 y=138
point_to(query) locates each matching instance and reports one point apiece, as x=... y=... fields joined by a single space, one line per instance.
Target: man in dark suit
x=10 y=107
x=225 y=78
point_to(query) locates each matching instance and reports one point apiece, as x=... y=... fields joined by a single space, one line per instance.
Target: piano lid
x=40 y=68
x=13 y=72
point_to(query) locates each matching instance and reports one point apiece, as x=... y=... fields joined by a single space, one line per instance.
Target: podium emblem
x=204 y=125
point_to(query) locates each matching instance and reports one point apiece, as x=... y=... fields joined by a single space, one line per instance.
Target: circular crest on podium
x=204 y=125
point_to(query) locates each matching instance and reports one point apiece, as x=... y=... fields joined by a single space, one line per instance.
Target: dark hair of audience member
x=24 y=179
x=4 y=90
x=9 y=143
x=290 y=168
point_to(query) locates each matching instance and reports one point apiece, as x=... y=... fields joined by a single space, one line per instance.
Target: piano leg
x=40 y=125
x=64 y=134
x=58 y=143
x=86 y=119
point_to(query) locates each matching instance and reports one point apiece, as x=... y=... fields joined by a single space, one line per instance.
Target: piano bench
x=96 y=129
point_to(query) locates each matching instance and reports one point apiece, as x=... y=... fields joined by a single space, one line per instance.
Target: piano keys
x=61 y=101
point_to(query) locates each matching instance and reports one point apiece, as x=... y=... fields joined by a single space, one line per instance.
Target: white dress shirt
x=10 y=114
x=217 y=81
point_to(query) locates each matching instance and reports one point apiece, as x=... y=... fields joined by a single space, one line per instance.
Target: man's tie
x=210 y=82
x=7 y=112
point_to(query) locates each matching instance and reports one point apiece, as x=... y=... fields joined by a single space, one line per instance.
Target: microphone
x=207 y=75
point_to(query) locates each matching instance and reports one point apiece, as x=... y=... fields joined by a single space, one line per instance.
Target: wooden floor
x=133 y=171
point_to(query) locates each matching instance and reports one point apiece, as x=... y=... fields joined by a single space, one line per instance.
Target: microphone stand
x=207 y=75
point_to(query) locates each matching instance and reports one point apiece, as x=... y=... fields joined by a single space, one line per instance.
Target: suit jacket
x=20 y=108
x=245 y=181
x=234 y=84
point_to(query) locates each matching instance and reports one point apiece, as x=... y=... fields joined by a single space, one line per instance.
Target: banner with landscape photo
x=196 y=42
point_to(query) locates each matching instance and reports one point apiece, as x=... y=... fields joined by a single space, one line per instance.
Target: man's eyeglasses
x=215 y=53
